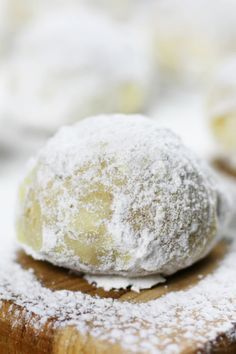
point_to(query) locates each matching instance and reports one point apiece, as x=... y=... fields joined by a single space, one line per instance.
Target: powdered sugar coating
x=117 y=195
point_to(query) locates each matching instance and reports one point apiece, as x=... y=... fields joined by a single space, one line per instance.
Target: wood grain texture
x=223 y=166
x=19 y=336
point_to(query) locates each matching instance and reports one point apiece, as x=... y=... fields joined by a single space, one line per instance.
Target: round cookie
x=118 y=195
x=191 y=37
x=15 y=15
x=221 y=107
x=73 y=62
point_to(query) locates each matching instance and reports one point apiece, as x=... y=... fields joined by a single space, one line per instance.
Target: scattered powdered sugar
x=164 y=325
x=133 y=198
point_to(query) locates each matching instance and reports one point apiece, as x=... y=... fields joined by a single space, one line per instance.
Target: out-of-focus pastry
x=14 y=15
x=221 y=109
x=191 y=37
x=74 y=62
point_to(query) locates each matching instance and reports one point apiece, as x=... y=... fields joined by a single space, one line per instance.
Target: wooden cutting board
x=18 y=335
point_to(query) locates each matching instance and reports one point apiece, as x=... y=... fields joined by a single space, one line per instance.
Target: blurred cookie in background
x=189 y=37
x=14 y=15
x=73 y=62
x=221 y=110
x=192 y=37
x=124 y=10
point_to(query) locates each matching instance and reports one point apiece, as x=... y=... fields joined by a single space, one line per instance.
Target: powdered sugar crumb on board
x=109 y=282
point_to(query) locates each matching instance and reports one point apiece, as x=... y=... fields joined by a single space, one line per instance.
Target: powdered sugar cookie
x=118 y=195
